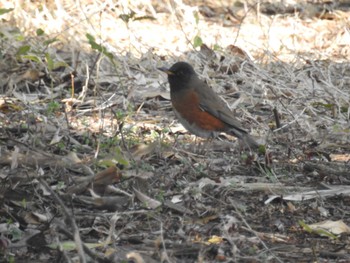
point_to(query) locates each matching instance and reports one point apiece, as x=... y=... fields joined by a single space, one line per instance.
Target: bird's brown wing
x=213 y=104
x=210 y=102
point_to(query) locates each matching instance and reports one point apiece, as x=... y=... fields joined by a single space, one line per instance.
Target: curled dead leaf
x=334 y=227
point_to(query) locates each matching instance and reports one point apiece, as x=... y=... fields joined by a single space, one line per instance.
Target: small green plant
x=61 y=185
x=112 y=152
x=5 y=11
x=11 y=259
x=39 y=32
x=217 y=47
x=154 y=135
x=197 y=41
x=36 y=54
x=23 y=50
x=119 y=156
x=15 y=233
x=99 y=48
x=161 y=196
x=61 y=145
x=24 y=203
x=132 y=17
x=52 y=107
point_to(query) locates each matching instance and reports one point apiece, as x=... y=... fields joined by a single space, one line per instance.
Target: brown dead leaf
x=32 y=75
x=98 y=182
x=334 y=227
x=232 y=62
x=8 y=105
x=70 y=103
x=141 y=150
x=108 y=176
x=291 y=207
x=237 y=52
x=35 y=218
x=340 y=157
x=207 y=52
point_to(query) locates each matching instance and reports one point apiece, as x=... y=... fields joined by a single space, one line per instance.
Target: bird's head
x=179 y=75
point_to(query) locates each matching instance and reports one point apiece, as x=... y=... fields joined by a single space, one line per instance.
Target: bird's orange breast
x=187 y=104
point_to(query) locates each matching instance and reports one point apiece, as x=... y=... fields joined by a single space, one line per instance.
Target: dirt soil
x=94 y=166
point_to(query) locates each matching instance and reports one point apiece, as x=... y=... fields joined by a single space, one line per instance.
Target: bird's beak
x=166 y=70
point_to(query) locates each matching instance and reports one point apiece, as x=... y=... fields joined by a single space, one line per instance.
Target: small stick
x=277 y=119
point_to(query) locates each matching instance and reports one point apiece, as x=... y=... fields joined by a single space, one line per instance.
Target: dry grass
x=67 y=112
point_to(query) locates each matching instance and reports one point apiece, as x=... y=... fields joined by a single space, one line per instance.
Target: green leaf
x=53 y=107
x=5 y=10
x=305 y=226
x=127 y=17
x=106 y=163
x=98 y=47
x=15 y=233
x=120 y=157
x=144 y=18
x=90 y=37
x=262 y=149
x=49 y=61
x=60 y=64
x=107 y=54
x=32 y=58
x=92 y=42
x=50 y=41
x=197 y=41
x=217 y=47
x=196 y=17
x=71 y=245
x=320 y=232
x=39 y=32
x=344 y=109
x=23 y=50
x=20 y=38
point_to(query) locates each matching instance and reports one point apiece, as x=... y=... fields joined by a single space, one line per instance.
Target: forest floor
x=94 y=166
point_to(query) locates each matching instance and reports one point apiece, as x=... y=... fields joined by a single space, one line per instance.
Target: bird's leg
x=203 y=145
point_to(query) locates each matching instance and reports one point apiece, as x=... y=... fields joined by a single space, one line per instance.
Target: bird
x=199 y=109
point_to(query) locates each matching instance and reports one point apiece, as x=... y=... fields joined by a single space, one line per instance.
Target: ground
x=94 y=166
